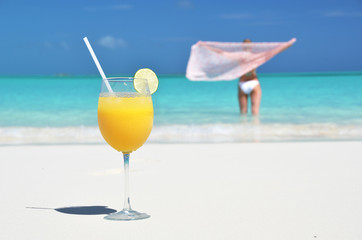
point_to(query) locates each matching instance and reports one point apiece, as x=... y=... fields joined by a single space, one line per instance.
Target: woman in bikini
x=249 y=86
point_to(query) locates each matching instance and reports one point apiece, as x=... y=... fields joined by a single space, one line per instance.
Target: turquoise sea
x=295 y=107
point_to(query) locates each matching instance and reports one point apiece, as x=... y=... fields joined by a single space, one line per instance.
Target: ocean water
x=294 y=107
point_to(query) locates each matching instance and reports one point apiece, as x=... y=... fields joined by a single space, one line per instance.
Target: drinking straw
x=97 y=64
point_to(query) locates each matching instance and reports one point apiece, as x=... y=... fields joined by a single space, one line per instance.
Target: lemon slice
x=151 y=77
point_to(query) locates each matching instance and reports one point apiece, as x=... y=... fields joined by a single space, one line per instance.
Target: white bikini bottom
x=248 y=86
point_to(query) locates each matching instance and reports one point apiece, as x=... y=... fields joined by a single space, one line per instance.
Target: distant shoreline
x=66 y=75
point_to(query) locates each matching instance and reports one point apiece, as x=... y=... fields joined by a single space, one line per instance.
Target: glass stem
x=127 y=204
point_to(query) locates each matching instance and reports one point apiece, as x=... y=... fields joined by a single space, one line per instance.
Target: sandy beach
x=300 y=190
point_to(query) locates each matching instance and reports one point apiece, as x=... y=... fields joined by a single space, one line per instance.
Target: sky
x=43 y=37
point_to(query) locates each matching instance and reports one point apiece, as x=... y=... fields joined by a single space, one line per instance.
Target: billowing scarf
x=214 y=61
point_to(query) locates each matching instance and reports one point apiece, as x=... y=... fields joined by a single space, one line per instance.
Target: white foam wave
x=255 y=132
x=208 y=133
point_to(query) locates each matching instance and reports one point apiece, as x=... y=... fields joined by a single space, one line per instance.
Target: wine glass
x=125 y=119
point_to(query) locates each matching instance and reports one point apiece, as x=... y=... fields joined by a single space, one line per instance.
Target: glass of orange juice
x=125 y=119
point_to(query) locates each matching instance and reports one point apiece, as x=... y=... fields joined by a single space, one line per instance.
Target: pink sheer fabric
x=214 y=61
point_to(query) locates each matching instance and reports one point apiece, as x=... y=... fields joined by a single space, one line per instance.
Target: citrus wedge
x=145 y=73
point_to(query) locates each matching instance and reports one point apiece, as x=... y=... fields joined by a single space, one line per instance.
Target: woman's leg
x=255 y=96
x=243 y=101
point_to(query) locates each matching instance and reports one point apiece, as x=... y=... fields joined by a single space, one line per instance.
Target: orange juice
x=125 y=120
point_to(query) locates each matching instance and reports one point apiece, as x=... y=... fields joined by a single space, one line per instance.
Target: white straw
x=97 y=64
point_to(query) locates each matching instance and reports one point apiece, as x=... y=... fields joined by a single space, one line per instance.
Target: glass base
x=126 y=215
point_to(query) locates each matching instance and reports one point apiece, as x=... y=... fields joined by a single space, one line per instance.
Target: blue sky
x=46 y=37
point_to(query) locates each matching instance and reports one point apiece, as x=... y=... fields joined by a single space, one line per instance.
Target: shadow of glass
x=86 y=210
x=82 y=210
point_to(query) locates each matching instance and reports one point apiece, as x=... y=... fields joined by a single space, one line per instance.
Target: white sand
x=208 y=191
